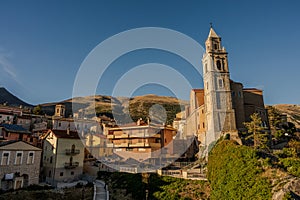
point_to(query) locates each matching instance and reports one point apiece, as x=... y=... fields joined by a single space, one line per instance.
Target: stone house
x=19 y=165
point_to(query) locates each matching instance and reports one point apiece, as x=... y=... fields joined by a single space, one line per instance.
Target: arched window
x=219 y=65
x=216 y=46
x=71 y=160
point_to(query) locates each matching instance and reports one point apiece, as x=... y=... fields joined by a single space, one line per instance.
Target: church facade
x=222 y=106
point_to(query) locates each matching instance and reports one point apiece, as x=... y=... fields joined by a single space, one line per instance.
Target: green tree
x=37 y=110
x=256 y=131
x=274 y=117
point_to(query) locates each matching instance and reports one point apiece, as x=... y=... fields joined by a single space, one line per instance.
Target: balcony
x=72 y=151
x=121 y=136
x=109 y=145
x=121 y=145
x=110 y=136
x=71 y=165
x=153 y=145
x=138 y=144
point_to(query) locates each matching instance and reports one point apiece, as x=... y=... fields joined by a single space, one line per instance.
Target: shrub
x=234 y=172
x=292 y=165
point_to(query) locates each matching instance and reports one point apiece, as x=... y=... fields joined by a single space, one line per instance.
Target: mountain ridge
x=6 y=97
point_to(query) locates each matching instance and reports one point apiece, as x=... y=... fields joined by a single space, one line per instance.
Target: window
x=218 y=99
x=59 y=124
x=72 y=173
x=220 y=83
x=219 y=65
x=73 y=148
x=61 y=174
x=205 y=68
x=5 y=158
x=49 y=175
x=216 y=46
x=51 y=159
x=30 y=159
x=19 y=157
x=239 y=94
x=203 y=125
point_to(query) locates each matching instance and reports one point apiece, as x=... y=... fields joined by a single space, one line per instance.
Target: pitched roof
x=64 y=134
x=14 y=128
x=17 y=145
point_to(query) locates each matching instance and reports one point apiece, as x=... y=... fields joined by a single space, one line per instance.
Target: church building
x=223 y=105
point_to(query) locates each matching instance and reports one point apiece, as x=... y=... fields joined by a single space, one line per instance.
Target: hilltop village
x=60 y=150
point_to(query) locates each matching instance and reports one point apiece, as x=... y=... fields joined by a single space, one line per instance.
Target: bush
x=234 y=172
x=291 y=165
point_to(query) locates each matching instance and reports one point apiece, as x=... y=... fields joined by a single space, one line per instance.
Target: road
x=100 y=191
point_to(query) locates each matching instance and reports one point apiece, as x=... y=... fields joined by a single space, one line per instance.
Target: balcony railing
x=109 y=145
x=71 y=165
x=72 y=151
x=121 y=136
x=121 y=145
x=153 y=144
x=110 y=136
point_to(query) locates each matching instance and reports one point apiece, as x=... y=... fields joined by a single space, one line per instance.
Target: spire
x=212 y=33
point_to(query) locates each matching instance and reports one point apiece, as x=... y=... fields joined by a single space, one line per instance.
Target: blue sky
x=43 y=43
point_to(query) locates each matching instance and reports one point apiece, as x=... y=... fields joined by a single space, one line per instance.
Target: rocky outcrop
x=288 y=185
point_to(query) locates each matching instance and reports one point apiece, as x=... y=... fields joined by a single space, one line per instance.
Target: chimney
x=139 y=121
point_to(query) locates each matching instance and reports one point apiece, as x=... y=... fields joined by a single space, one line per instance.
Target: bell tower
x=219 y=114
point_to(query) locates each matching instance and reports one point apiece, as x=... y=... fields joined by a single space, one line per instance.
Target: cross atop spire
x=210 y=25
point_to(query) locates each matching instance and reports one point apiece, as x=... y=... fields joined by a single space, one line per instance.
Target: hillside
x=10 y=99
x=138 y=106
x=292 y=111
x=242 y=172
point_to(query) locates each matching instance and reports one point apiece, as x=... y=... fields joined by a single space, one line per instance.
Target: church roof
x=212 y=33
